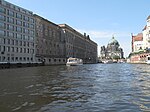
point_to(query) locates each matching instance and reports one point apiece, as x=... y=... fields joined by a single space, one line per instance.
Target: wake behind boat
x=74 y=61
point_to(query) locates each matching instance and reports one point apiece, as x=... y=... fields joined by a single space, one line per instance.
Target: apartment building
x=17 y=34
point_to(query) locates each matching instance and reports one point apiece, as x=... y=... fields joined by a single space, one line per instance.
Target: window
x=18 y=29
x=32 y=51
x=16 y=58
x=28 y=51
x=12 y=42
x=24 y=58
x=10 y=13
x=2 y=17
x=18 y=22
x=31 y=20
x=31 y=26
x=24 y=43
x=17 y=8
x=20 y=43
x=4 y=48
x=26 y=18
x=19 y=36
x=10 y=27
x=8 y=49
x=31 y=38
x=8 y=41
x=12 y=58
x=20 y=50
x=8 y=58
x=12 y=49
x=2 y=33
x=28 y=44
x=10 y=34
x=26 y=37
x=32 y=32
x=25 y=24
x=2 y=25
x=16 y=42
x=3 y=40
x=17 y=50
x=25 y=31
x=10 y=20
x=24 y=50
x=3 y=58
x=2 y=10
x=19 y=16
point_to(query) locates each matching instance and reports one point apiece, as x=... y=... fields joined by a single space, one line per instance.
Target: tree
x=116 y=57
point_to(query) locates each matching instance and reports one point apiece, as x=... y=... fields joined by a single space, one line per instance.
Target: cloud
x=102 y=38
x=104 y=34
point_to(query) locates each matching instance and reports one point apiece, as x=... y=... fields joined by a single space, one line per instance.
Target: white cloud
x=102 y=38
x=104 y=34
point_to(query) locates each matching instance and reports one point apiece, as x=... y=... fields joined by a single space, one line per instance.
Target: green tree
x=116 y=57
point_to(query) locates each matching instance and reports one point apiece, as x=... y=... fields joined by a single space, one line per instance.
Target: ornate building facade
x=112 y=51
x=79 y=45
x=50 y=44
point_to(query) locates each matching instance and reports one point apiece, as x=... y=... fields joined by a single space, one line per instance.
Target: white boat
x=148 y=60
x=74 y=62
x=108 y=61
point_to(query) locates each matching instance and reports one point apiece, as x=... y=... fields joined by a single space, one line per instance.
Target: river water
x=87 y=88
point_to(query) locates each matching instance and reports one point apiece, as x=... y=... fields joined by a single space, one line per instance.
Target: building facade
x=50 y=43
x=141 y=45
x=28 y=38
x=146 y=34
x=78 y=45
x=17 y=33
x=112 y=51
x=137 y=42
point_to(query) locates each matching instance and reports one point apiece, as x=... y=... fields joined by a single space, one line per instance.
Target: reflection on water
x=87 y=88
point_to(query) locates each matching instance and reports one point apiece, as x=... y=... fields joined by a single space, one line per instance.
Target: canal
x=87 y=88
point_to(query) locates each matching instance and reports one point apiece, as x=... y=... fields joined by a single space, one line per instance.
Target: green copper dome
x=113 y=41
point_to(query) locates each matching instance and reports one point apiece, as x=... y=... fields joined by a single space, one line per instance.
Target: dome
x=113 y=41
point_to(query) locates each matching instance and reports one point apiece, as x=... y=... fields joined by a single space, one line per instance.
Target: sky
x=100 y=19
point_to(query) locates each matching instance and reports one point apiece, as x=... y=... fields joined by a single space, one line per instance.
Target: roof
x=138 y=37
x=113 y=41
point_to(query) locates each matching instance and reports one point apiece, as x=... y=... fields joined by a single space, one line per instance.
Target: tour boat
x=148 y=60
x=108 y=61
x=74 y=61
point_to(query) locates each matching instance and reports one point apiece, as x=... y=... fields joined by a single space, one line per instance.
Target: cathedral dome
x=113 y=41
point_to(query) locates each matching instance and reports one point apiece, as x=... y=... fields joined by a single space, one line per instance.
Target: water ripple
x=87 y=88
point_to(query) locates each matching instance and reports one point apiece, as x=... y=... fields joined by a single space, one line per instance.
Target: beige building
x=78 y=45
x=146 y=35
x=137 y=42
x=49 y=42
x=141 y=41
